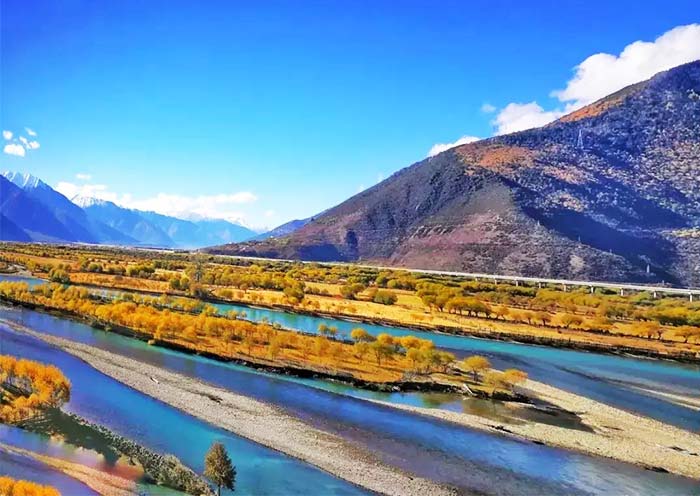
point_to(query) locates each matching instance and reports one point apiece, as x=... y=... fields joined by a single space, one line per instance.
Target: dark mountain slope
x=69 y=214
x=28 y=215
x=9 y=231
x=602 y=193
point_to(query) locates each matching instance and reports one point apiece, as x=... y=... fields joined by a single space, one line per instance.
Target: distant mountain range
x=30 y=210
x=283 y=230
x=609 y=192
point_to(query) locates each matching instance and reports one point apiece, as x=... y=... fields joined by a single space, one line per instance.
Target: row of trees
x=169 y=318
x=160 y=319
x=421 y=353
x=436 y=291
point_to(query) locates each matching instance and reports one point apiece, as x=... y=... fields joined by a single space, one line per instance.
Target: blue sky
x=276 y=110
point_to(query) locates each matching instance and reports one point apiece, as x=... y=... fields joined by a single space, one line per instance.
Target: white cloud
x=208 y=206
x=487 y=108
x=270 y=213
x=602 y=74
x=14 y=149
x=519 y=116
x=441 y=147
x=83 y=177
x=30 y=132
x=19 y=145
x=69 y=190
x=222 y=206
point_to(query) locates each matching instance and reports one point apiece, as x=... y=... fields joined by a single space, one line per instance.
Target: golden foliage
x=13 y=487
x=28 y=386
x=196 y=326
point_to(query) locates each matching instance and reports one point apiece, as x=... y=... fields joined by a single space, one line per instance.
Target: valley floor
x=251 y=419
x=614 y=433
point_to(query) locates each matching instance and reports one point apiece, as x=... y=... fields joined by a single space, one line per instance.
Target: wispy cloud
x=7 y=135
x=487 y=108
x=221 y=206
x=83 y=177
x=603 y=73
x=519 y=116
x=30 y=132
x=29 y=145
x=441 y=147
x=100 y=191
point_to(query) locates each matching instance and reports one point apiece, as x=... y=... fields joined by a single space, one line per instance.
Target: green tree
x=649 y=330
x=569 y=320
x=219 y=469
x=321 y=345
x=513 y=377
x=384 y=297
x=360 y=335
x=350 y=291
x=543 y=317
x=476 y=365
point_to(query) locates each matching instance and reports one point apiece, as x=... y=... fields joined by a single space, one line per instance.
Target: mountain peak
x=607 y=192
x=23 y=179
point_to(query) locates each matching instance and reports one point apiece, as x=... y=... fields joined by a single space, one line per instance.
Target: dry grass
x=118 y=282
x=408 y=311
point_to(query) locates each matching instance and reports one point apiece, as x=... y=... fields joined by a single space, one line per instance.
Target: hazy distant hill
x=198 y=233
x=283 y=230
x=9 y=231
x=602 y=193
x=153 y=229
x=125 y=221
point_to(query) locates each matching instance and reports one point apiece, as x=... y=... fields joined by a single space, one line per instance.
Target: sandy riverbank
x=97 y=480
x=616 y=434
x=253 y=420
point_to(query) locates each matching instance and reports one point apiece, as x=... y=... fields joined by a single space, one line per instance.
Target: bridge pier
x=622 y=292
x=691 y=297
x=592 y=290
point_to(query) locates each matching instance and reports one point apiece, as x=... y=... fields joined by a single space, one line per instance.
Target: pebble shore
x=615 y=433
x=254 y=420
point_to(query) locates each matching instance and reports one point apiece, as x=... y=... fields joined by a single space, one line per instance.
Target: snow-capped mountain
x=33 y=210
